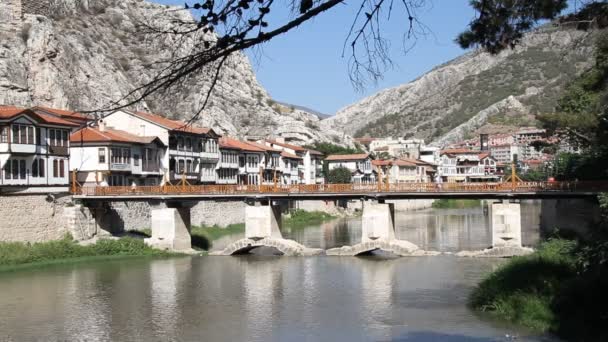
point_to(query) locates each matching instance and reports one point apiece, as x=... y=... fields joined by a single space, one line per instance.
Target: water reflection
x=249 y=298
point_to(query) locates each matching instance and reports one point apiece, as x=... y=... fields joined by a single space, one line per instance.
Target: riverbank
x=558 y=289
x=445 y=203
x=301 y=218
x=18 y=255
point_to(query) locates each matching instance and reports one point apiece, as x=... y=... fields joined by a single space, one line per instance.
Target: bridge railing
x=339 y=188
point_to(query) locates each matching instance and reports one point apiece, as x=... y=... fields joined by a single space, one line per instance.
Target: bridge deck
x=521 y=190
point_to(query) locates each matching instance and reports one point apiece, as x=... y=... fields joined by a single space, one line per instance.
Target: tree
x=223 y=27
x=339 y=175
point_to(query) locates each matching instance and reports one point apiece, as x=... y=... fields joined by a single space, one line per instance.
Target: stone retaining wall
x=33 y=218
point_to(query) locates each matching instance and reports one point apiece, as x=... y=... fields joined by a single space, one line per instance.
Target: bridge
x=504 y=190
x=171 y=204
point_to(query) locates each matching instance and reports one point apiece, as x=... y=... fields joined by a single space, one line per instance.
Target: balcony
x=151 y=168
x=208 y=178
x=23 y=148
x=227 y=181
x=228 y=165
x=189 y=176
x=210 y=155
x=120 y=167
x=183 y=153
x=59 y=150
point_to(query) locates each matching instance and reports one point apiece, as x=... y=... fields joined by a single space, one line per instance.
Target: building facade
x=360 y=166
x=34 y=148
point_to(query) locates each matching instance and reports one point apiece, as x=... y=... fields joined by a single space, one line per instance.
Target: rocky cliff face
x=455 y=100
x=81 y=54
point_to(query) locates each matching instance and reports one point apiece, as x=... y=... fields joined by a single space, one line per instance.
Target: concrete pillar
x=170 y=229
x=505 y=222
x=378 y=221
x=262 y=221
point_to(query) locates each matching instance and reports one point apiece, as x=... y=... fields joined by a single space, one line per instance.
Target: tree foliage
x=339 y=175
x=501 y=24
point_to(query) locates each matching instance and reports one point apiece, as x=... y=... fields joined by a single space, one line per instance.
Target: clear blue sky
x=305 y=66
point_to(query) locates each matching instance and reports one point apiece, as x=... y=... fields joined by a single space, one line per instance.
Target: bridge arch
x=285 y=246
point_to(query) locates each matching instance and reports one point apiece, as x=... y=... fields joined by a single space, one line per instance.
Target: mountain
x=82 y=54
x=476 y=91
x=318 y=114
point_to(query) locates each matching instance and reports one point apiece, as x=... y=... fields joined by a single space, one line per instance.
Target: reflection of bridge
x=347 y=191
x=171 y=209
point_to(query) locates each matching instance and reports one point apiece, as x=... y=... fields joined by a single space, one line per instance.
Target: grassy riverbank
x=445 y=203
x=301 y=218
x=560 y=288
x=16 y=255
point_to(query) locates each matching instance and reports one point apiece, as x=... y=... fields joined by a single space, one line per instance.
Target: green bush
x=339 y=175
x=300 y=218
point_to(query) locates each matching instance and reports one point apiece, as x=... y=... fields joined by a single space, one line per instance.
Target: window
x=7 y=170
x=102 y=155
x=15 y=169
x=64 y=137
x=35 y=168
x=22 y=169
x=55 y=168
x=30 y=134
x=136 y=159
x=22 y=135
x=180 y=166
x=4 y=134
x=38 y=136
x=180 y=144
x=52 y=141
x=41 y=167
x=189 y=166
x=188 y=144
x=62 y=168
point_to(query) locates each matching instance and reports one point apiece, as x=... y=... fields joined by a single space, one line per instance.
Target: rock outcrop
x=467 y=92
x=83 y=54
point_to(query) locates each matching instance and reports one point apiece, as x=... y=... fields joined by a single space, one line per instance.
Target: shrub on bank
x=18 y=253
x=522 y=291
x=445 y=203
x=300 y=218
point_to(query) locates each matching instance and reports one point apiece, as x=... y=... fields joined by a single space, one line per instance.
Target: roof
x=93 y=134
x=484 y=155
x=173 y=125
x=286 y=145
x=230 y=143
x=381 y=149
x=289 y=155
x=458 y=151
x=382 y=162
x=347 y=156
x=262 y=146
x=9 y=112
x=66 y=114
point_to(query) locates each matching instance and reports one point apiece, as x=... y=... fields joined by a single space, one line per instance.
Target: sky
x=305 y=66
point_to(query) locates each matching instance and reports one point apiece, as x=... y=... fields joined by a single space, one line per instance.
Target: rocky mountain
x=82 y=54
x=477 y=91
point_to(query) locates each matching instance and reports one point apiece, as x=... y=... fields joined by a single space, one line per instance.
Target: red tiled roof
x=382 y=162
x=70 y=115
x=8 y=112
x=226 y=142
x=347 y=156
x=484 y=155
x=289 y=155
x=93 y=134
x=262 y=146
x=173 y=125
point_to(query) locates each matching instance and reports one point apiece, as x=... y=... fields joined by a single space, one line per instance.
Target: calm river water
x=263 y=298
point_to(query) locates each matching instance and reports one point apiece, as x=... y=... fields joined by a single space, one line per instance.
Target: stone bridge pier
x=171 y=225
x=263 y=229
x=378 y=232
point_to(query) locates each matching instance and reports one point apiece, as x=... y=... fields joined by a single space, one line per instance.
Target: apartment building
x=464 y=165
x=311 y=166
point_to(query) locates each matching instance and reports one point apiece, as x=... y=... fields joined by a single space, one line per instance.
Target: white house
x=291 y=168
x=104 y=156
x=193 y=152
x=228 y=165
x=311 y=166
x=404 y=170
x=464 y=165
x=34 y=148
x=360 y=166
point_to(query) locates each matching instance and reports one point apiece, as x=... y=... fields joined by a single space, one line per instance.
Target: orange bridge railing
x=184 y=189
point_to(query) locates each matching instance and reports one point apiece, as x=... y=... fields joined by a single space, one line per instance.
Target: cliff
x=81 y=54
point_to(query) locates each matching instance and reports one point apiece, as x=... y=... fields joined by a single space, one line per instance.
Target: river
x=265 y=298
